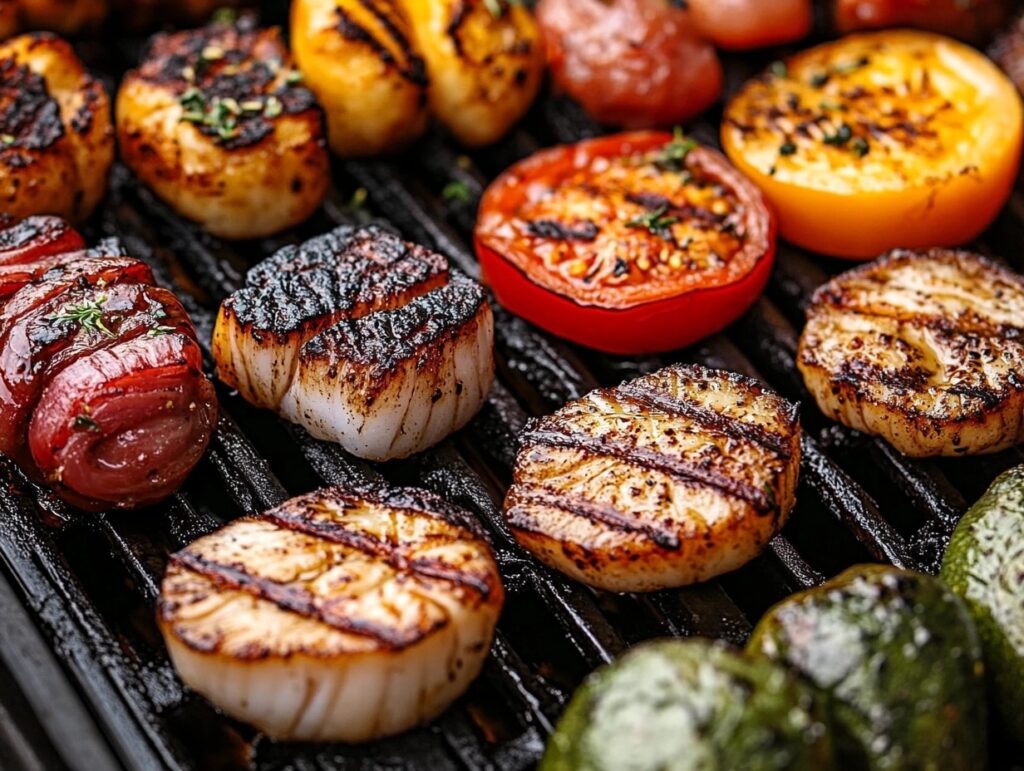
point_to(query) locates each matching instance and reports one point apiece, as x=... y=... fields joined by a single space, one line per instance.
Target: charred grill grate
x=84 y=586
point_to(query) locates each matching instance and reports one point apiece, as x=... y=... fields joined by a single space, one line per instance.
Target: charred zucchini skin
x=899 y=658
x=984 y=564
x=693 y=704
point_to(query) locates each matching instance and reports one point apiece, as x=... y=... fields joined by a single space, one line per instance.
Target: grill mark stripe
x=648 y=399
x=425 y=567
x=297 y=601
x=950 y=325
x=651 y=460
x=595 y=512
x=414 y=71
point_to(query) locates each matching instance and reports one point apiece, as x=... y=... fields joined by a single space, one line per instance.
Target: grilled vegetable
x=689 y=705
x=217 y=124
x=741 y=24
x=984 y=564
x=362 y=339
x=632 y=243
x=923 y=349
x=484 y=60
x=633 y=63
x=972 y=20
x=56 y=142
x=876 y=141
x=358 y=57
x=669 y=479
x=899 y=659
x=341 y=615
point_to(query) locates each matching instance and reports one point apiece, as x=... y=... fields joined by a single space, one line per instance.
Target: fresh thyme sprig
x=654 y=221
x=88 y=315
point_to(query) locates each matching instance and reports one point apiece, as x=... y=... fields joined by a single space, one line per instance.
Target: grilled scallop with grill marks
x=357 y=56
x=361 y=338
x=484 y=60
x=924 y=349
x=666 y=480
x=342 y=615
x=217 y=123
x=56 y=141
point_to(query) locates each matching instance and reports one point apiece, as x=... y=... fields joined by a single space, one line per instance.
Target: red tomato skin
x=742 y=24
x=649 y=328
x=632 y=63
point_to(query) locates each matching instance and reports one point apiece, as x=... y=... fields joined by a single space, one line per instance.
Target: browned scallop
x=357 y=57
x=666 y=480
x=218 y=124
x=485 y=62
x=56 y=140
x=923 y=349
x=342 y=615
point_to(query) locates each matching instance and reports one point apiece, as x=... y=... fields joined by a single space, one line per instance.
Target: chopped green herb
x=88 y=315
x=358 y=199
x=672 y=156
x=843 y=135
x=7 y=139
x=860 y=146
x=85 y=423
x=212 y=53
x=779 y=69
x=457 y=191
x=293 y=77
x=828 y=104
x=654 y=221
x=159 y=330
x=225 y=16
x=273 y=107
x=848 y=67
x=787 y=148
x=769 y=493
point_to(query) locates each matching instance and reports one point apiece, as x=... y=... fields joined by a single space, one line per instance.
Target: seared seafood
x=56 y=140
x=923 y=349
x=342 y=615
x=361 y=338
x=666 y=480
x=218 y=124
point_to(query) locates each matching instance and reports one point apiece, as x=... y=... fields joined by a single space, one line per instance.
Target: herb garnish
x=221 y=114
x=654 y=221
x=7 y=139
x=779 y=69
x=457 y=191
x=158 y=330
x=860 y=147
x=672 y=156
x=88 y=315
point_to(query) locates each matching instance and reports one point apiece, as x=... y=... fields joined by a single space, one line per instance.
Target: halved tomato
x=632 y=243
x=877 y=141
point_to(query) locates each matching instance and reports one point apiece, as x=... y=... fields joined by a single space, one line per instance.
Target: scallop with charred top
x=218 y=124
x=485 y=63
x=666 y=480
x=923 y=349
x=342 y=615
x=361 y=338
x=358 y=57
x=56 y=140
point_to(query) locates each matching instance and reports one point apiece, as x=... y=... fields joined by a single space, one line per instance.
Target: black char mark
x=333 y=275
x=557 y=231
x=412 y=69
x=30 y=117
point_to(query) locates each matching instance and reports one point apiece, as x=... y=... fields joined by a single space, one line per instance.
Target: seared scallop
x=56 y=141
x=484 y=60
x=362 y=339
x=218 y=124
x=342 y=615
x=670 y=479
x=357 y=57
x=923 y=349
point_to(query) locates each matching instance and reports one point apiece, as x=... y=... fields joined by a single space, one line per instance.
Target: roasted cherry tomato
x=877 y=141
x=632 y=243
x=965 y=19
x=635 y=63
x=741 y=24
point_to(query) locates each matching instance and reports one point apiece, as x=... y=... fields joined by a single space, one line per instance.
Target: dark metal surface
x=83 y=587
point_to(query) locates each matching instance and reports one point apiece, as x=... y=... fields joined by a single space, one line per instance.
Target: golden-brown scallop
x=56 y=140
x=484 y=61
x=357 y=57
x=66 y=17
x=218 y=124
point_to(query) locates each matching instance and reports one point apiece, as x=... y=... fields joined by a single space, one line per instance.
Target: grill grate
x=87 y=584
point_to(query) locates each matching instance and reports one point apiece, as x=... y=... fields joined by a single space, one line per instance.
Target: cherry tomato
x=632 y=243
x=635 y=63
x=741 y=24
x=966 y=19
x=877 y=141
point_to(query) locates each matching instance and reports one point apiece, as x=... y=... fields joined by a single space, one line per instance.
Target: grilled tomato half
x=877 y=141
x=632 y=243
